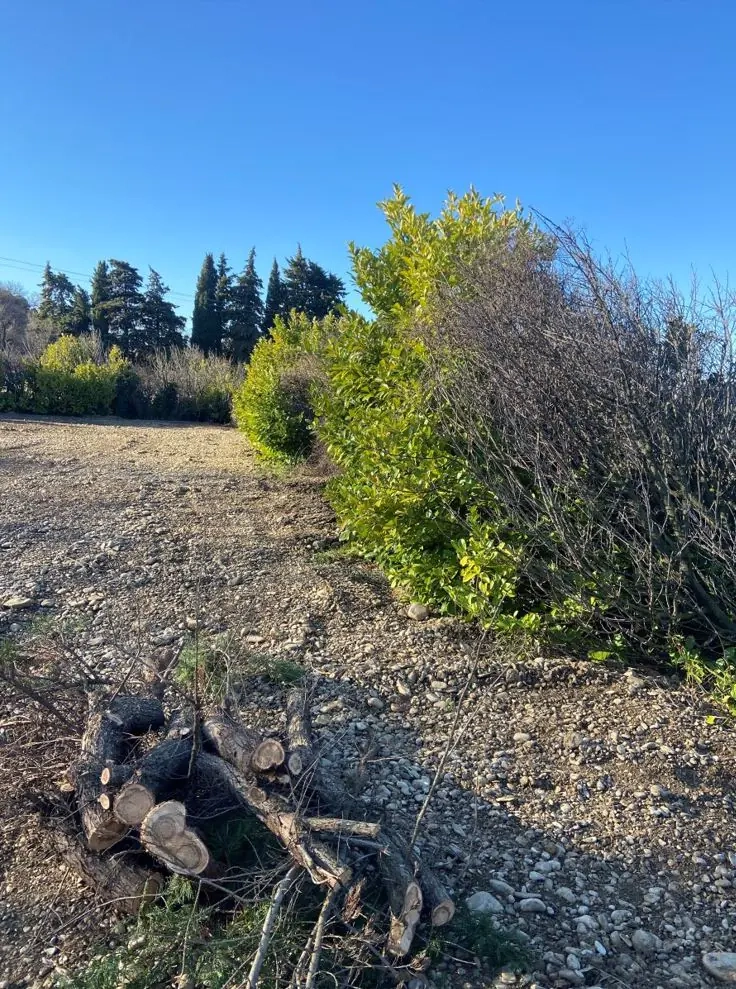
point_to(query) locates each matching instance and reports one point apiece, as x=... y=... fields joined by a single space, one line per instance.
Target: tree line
x=230 y=310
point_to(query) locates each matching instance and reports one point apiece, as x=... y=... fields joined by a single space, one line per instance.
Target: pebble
x=532 y=904
x=483 y=902
x=644 y=942
x=419 y=612
x=17 y=603
x=721 y=965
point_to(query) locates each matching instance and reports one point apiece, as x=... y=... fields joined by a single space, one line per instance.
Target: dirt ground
x=595 y=806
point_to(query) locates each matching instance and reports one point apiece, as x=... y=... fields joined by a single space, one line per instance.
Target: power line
x=31 y=267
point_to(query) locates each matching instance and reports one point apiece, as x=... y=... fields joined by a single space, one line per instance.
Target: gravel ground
x=591 y=809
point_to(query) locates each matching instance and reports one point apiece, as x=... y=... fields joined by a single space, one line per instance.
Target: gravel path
x=593 y=807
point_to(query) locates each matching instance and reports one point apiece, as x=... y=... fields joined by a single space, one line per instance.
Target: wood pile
x=143 y=783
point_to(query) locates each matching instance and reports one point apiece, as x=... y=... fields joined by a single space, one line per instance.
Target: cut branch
x=244 y=749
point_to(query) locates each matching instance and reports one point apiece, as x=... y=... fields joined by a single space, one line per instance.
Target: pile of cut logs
x=134 y=796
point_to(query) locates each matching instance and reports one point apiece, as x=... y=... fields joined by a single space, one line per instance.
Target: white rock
x=721 y=965
x=483 y=902
x=419 y=612
x=17 y=603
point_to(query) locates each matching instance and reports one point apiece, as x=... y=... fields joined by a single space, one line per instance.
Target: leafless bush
x=186 y=383
x=601 y=411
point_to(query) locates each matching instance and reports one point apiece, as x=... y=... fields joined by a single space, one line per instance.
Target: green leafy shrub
x=274 y=406
x=73 y=376
x=403 y=498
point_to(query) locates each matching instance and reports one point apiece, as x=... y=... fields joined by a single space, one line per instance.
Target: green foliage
x=399 y=279
x=275 y=298
x=73 y=377
x=183 y=940
x=246 y=311
x=402 y=497
x=206 y=321
x=717 y=676
x=309 y=289
x=273 y=406
x=478 y=934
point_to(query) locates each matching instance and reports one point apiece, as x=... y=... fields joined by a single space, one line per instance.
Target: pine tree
x=310 y=289
x=296 y=282
x=275 y=298
x=247 y=311
x=80 y=315
x=160 y=328
x=223 y=296
x=57 y=298
x=101 y=296
x=205 y=318
x=124 y=308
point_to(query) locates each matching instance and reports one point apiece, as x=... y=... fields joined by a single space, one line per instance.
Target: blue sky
x=155 y=131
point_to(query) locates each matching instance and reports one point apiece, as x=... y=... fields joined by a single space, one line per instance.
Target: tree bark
x=300 y=752
x=160 y=772
x=404 y=896
x=115 y=879
x=106 y=742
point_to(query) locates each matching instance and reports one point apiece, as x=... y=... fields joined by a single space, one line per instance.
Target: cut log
x=135 y=715
x=157 y=775
x=334 y=795
x=125 y=885
x=300 y=752
x=115 y=776
x=440 y=903
x=105 y=743
x=324 y=864
x=165 y=835
x=243 y=749
x=404 y=896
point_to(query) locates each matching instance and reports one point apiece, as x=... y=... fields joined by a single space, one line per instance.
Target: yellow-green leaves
x=400 y=279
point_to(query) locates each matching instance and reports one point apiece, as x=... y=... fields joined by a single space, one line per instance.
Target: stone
x=18 y=603
x=532 y=904
x=419 y=612
x=721 y=965
x=500 y=887
x=566 y=894
x=483 y=902
x=644 y=942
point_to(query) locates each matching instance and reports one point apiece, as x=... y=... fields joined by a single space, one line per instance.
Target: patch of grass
x=334 y=553
x=478 y=935
x=210 y=664
x=284 y=672
x=183 y=940
x=201 y=665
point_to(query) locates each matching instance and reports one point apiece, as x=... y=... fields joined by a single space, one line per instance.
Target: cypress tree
x=275 y=298
x=223 y=296
x=296 y=282
x=101 y=296
x=205 y=319
x=247 y=311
